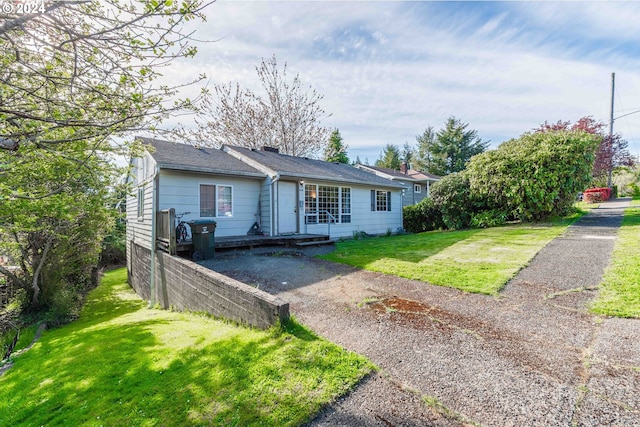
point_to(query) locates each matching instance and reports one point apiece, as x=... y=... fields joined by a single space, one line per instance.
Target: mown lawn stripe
x=479 y=261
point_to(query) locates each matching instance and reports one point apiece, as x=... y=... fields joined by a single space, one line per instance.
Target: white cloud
x=389 y=70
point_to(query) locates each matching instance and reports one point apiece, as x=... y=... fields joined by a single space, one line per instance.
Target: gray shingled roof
x=171 y=155
x=305 y=168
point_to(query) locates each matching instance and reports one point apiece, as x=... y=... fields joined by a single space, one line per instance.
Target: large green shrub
x=533 y=177
x=452 y=196
x=424 y=216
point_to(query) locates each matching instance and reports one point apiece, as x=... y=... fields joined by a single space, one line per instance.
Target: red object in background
x=596 y=195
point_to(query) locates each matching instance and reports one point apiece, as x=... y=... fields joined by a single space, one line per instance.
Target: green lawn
x=479 y=260
x=124 y=364
x=619 y=293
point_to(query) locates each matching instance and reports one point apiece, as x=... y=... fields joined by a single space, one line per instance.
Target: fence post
x=171 y=223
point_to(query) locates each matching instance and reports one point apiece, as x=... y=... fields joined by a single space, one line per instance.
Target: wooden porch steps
x=314 y=243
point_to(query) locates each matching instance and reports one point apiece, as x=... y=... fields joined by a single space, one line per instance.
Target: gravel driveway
x=533 y=356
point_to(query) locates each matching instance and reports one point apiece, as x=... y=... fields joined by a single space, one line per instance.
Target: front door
x=287 y=212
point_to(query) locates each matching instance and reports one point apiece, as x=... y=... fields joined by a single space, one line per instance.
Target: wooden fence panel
x=166 y=230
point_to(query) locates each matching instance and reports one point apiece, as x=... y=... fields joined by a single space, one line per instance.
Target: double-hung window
x=216 y=200
x=380 y=200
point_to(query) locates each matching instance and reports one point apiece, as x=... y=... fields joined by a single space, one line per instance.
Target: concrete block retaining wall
x=185 y=285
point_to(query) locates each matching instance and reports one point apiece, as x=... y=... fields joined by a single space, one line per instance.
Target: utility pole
x=613 y=87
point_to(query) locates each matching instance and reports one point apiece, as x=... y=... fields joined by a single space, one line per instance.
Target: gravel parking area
x=532 y=356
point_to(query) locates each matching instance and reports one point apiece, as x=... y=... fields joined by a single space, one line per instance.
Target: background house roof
x=171 y=155
x=305 y=168
x=411 y=175
x=423 y=176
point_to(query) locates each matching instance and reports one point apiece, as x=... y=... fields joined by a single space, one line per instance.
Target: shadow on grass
x=263 y=381
x=411 y=248
x=117 y=367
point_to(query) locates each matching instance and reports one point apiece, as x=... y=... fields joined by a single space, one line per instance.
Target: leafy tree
x=389 y=157
x=612 y=151
x=424 y=152
x=286 y=117
x=70 y=78
x=336 y=151
x=453 y=147
x=56 y=236
x=88 y=69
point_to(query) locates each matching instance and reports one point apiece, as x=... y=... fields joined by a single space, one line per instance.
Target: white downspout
x=274 y=204
x=154 y=203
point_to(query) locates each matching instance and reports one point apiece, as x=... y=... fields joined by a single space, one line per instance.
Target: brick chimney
x=404 y=168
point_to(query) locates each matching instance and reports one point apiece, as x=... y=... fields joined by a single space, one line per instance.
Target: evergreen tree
x=454 y=146
x=336 y=150
x=407 y=153
x=389 y=158
x=424 y=154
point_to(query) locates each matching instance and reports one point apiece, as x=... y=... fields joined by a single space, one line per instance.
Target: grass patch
x=479 y=260
x=619 y=293
x=122 y=363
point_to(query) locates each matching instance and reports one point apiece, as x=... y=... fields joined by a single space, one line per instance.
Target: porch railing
x=330 y=218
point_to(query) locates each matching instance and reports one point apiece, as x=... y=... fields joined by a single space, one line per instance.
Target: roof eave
x=339 y=180
x=210 y=170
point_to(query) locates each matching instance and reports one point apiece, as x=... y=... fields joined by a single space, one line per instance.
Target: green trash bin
x=203 y=234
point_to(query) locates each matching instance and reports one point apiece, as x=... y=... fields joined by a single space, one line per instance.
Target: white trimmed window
x=216 y=200
x=345 y=216
x=417 y=188
x=225 y=201
x=380 y=200
x=324 y=203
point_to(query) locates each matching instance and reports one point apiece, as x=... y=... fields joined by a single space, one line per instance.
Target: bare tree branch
x=287 y=117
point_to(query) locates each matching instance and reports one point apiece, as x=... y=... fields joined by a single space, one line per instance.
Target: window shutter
x=373 y=200
x=389 y=201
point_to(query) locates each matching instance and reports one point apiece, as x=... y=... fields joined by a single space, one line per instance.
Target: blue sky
x=388 y=70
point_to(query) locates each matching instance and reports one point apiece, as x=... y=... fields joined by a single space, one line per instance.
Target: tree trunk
x=34 y=285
